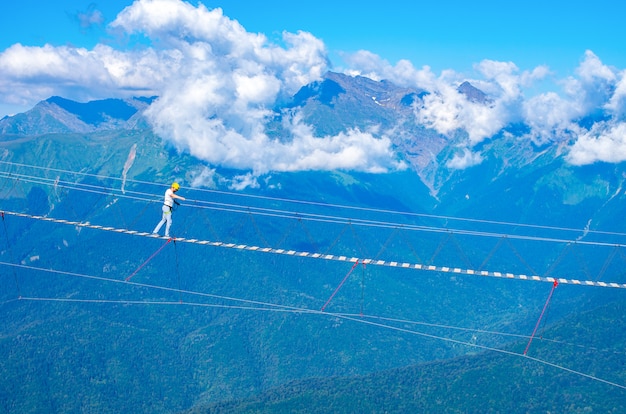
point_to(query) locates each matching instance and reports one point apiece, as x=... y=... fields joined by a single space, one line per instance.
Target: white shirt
x=169 y=200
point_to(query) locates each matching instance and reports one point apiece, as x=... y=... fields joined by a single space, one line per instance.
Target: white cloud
x=31 y=74
x=370 y=65
x=241 y=182
x=592 y=87
x=216 y=104
x=591 y=69
x=203 y=177
x=551 y=115
x=212 y=40
x=212 y=140
x=554 y=116
x=617 y=102
x=351 y=150
x=604 y=142
x=504 y=75
x=32 y=62
x=445 y=109
x=465 y=160
x=216 y=83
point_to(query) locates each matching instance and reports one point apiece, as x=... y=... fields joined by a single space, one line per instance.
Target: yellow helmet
x=175 y=186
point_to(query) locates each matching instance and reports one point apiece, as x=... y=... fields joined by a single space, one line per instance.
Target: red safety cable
x=150 y=258
x=339 y=287
x=554 y=285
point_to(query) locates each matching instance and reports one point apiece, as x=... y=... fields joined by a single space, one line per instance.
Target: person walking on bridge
x=168 y=204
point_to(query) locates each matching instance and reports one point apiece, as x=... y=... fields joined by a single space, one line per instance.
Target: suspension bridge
x=17 y=180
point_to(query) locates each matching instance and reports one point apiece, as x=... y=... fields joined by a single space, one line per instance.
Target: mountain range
x=213 y=329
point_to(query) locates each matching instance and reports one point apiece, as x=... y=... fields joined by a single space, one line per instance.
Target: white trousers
x=167 y=218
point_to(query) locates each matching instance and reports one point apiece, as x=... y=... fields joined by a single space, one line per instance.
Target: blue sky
x=442 y=34
x=453 y=34
x=217 y=67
